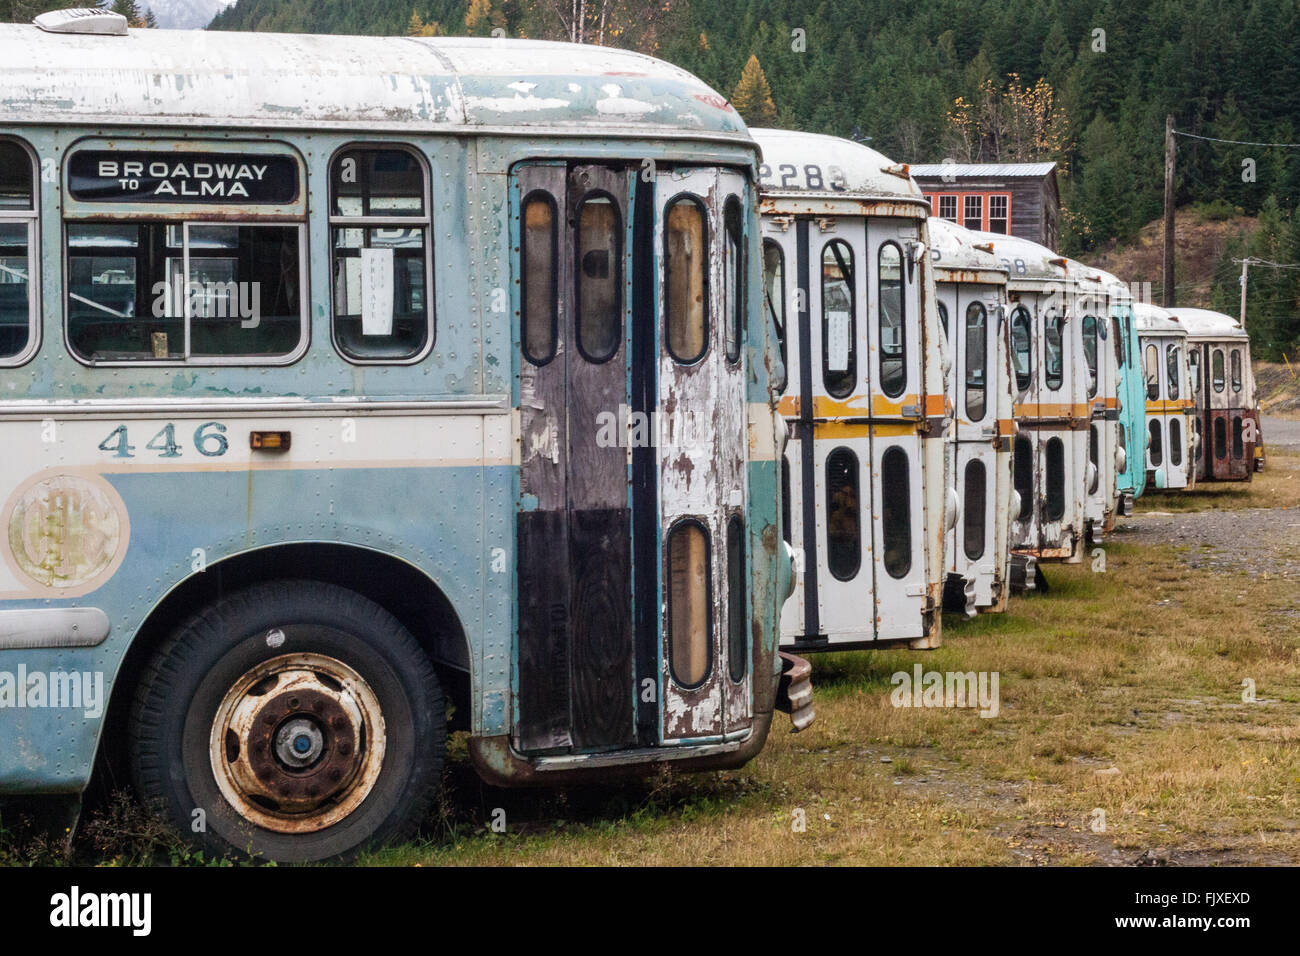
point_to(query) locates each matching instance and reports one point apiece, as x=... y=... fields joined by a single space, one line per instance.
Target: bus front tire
x=293 y=721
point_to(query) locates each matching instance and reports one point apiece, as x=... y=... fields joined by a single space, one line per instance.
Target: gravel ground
x=1255 y=540
x=1280 y=433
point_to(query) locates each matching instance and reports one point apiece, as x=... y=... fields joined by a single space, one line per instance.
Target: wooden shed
x=1017 y=199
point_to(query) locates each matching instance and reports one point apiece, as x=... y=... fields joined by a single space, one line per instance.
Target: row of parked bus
x=965 y=405
x=359 y=390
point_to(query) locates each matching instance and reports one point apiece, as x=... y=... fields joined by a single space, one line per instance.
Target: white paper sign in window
x=837 y=341
x=376 y=291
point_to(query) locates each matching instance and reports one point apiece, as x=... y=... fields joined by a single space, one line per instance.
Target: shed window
x=896 y=512
x=1173 y=368
x=973 y=506
x=948 y=208
x=1023 y=476
x=1053 y=351
x=737 y=599
x=843 y=514
x=999 y=220
x=131 y=299
x=686 y=233
x=972 y=215
x=379 y=219
x=1236 y=370
x=1090 y=351
x=690 y=603
x=1054 y=500
x=839 y=320
x=774 y=302
x=976 y=360
x=1152 y=370
x=1216 y=370
x=734 y=279
x=17 y=249
x=1022 y=347
x=1155 y=445
x=599 y=270
x=538 y=253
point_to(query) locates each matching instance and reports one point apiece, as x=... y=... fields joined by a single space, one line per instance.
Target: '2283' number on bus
x=813 y=177
x=209 y=441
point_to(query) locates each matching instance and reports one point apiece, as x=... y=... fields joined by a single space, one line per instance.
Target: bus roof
x=1152 y=320
x=960 y=256
x=259 y=80
x=867 y=175
x=1034 y=266
x=1205 y=324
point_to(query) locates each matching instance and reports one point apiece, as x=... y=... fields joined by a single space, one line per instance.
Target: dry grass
x=1139 y=668
x=1277 y=486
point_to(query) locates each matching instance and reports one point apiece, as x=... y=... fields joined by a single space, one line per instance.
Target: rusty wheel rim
x=297 y=743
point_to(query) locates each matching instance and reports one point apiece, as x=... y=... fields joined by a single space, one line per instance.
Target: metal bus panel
x=1223 y=384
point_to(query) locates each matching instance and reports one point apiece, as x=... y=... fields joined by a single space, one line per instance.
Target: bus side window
x=843 y=514
x=382 y=287
x=1155 y=446
x=839 y=319
x=1236 y=370
x=733 y=257
x=774 y=302
x=686 y=235
x=1152 y=369
x=17 y=250
x=1173 y=354
x=1053 y=351
x=1090 y=352
x=893 y=320
x=976 y=360
x=973 y=508
x=1216 y=371
x=1021 y=347
x=896 y=512
x=1194 y=367
x=943 y=320
x=538 y=300
x=1054 y=500
x=1023 y=476
x=1119 y=342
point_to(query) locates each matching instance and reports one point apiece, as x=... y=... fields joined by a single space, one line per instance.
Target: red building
x=1017 y=199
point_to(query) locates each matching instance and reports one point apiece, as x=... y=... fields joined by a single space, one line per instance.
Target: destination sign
x=170 y=177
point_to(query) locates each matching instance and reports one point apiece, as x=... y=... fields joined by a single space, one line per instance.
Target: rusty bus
x=1053 y=410
x=971 y=288
x=1171 y=439
x=346 y=379
x=848 y=281
x=1130 y=399
x=1100 y=335
x=1230 y=445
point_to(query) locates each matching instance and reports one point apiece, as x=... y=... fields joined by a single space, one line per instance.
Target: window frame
x=902 y=319
x=734 y=296
x=1173 y=366
x=1235 y=377
x=989 y=217
x=965 y=215
x=850 y=373
x=1054 y=320
x=967 y=386
x=184 y=224
x=956 y=208
x=1054 y=479
x=849 y=572
x=1219 y=378
x=368 y=222
x=709 y=600
x=974 y=466
x=1022 y=309
x=1092 y=364
x=32 y=218
x=706 y=227
x=780 y=324
x=556 y=237
x=896 y=512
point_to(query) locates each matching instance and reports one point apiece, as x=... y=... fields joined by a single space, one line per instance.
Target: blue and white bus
x=357 y=389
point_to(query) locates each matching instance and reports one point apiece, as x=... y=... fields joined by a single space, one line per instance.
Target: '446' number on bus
x=209 y=441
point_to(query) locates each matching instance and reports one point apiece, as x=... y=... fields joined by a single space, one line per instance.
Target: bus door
x=576 y=664
x=784 y=305
x=975 y=401
x=702 y=274
x=1058 y=490
x=892 y=369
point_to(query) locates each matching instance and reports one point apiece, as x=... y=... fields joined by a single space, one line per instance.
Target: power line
x=1234 y=142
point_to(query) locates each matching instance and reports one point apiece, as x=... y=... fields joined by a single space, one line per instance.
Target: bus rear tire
x=293 y=721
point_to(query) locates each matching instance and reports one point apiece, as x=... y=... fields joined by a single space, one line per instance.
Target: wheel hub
x=297 y=742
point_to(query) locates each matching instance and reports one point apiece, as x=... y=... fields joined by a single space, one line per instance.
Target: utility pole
x=1245 y=275
x=1169 y=212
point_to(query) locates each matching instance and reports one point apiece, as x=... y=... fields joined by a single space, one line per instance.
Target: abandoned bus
x=971 y=293
x=847 y=281
x=1050 y=467
x=1103 y=385
x=1170 y=407
x=1130 y=470
x=331 y=398
x=1223 y=384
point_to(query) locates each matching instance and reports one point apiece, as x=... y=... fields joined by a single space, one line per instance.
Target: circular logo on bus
x=66 y=531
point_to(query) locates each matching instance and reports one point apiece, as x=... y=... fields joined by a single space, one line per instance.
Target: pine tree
x=753 y=97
